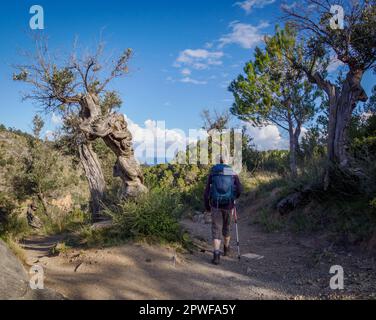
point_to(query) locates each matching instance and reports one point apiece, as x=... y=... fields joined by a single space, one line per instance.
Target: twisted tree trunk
x=342 y=102
x=114 y=132
x=341 y=108
x=94 y=175
x=112 y=128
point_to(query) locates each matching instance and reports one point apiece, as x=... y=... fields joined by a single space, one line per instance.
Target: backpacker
x=222 y=191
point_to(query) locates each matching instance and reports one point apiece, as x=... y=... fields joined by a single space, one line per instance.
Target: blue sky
x=185 y=52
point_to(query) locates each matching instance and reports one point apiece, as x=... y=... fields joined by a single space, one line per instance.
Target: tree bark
x=294 y=134
x=94 y=175
x=43 y=202
x=342 y=102
x=127 y=167
x=112 y=128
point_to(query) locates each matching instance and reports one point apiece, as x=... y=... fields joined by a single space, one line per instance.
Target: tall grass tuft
x=153 y=216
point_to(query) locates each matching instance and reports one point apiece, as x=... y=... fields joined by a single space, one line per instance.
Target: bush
x=6 y=209
x=60 y=222
x=269 y=222
x=153 y=216
x=187 y=180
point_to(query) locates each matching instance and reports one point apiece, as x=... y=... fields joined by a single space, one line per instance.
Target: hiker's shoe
x=226 y=251
x=216 y=258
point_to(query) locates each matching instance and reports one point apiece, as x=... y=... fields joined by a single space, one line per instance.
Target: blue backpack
x=222 y=188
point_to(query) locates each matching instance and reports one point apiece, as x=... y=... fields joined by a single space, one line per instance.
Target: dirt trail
x=291 y=268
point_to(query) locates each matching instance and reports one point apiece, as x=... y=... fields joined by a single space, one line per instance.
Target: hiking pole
x=236 y=228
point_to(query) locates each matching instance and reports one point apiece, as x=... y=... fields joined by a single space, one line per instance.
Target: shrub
x=8 y=222
x=153 y=216
x=269 y=222
x=188 y=180
x=60 y=222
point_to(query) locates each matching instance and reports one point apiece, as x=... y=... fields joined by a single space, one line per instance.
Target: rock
x=65 y=204
x=32 y=219
x=14 y=281
x=252 y=256
x=198 y=218
x=293 y=200
x=105 y=224
x=207 y=218
x=13 y=278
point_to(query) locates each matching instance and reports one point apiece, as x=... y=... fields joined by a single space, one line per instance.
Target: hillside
x=13 y=147
x=16 y=196
x=163 y=234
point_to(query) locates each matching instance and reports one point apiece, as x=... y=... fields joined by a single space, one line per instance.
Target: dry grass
x=15 y=247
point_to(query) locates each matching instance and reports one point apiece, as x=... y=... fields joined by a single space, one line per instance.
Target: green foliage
x=300 y=221
x=38 y=125
x=59 y=248
x=269 y=222
x=61 y=222
x=312 y=147
x=34 y=171
x=272 y=90
x=373 y=204
x=107 y=159
x=6 y=208
x=42 y=173
x=188 y=180
x=363 y=134
x=258 y=161
x=274 y=161
x=153 y=216
x=11 y=225
x=110 y=102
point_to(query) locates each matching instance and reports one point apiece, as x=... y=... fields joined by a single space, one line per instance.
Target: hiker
x=222 y=188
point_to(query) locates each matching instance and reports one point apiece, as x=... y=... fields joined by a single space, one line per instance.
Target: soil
x=280 y=266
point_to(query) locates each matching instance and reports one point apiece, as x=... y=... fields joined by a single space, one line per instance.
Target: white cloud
x=303 y=133
x=366 y=115
x=288 y=6
x=267 y=138
x=56 y=119
x=193 y=81
x=198 y=59
x=50 y=135
x=245 y=35
x=148 y=140
x=334 y=64
x=248 y=5
x=208 y=45
x=186 y=72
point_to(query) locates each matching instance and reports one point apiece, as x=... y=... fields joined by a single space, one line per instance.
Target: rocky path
x=281 y=267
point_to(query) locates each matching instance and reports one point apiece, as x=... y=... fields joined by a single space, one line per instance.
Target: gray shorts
x=221 y=220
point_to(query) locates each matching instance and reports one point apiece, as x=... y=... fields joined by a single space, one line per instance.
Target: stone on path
x=252 y=256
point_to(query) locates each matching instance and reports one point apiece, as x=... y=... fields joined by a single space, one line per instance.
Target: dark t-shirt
x=238 y=188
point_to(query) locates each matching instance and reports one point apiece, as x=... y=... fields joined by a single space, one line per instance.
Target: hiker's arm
x=207 y=194
x=238 y=187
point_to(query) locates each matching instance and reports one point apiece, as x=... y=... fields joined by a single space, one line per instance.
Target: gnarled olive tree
x=355 y=46
x=76 y=89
